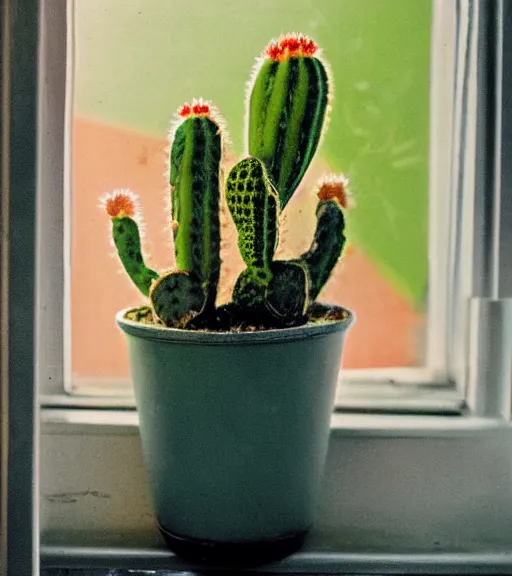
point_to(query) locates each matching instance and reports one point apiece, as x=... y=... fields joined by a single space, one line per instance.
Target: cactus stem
x=276 y=122
x=327 y=244
x=205 y=109
x=121 y=206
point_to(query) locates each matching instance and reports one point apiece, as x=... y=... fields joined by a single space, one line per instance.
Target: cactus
x=287 y=105
x=288 y=100
x=194 y=179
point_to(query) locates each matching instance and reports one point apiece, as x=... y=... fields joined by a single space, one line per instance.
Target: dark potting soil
x=230 y=318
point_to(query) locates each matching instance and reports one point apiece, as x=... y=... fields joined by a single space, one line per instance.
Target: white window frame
x=402 y=493
x=426 y=389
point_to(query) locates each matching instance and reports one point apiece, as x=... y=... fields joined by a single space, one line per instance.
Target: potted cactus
x=235 y=399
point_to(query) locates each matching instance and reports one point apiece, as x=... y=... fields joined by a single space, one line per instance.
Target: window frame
x=58 y=385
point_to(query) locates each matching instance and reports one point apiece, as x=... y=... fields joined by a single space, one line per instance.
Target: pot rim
x=163 y=333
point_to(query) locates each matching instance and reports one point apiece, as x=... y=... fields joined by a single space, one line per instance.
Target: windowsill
x=416 y=494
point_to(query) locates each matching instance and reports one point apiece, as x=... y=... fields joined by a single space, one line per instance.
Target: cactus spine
x=288 y=104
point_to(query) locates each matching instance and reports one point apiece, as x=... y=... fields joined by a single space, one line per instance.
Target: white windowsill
x=415 y=494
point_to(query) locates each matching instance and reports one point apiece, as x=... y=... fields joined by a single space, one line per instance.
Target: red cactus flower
x=120 y=203
x=197 y=108
x=201 y=109
x=289 y=46
x=185 y=110
x=335 y=187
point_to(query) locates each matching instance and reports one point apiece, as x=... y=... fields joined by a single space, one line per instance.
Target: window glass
x=137 y=61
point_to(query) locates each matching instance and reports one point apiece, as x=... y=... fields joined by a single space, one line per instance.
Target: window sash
x=458 y=30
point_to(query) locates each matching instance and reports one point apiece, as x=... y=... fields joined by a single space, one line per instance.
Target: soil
x=229 y=318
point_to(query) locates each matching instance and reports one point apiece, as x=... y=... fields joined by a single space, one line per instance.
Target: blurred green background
x=138 y=60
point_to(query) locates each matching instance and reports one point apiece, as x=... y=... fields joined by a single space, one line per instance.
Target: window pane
x=137 y=61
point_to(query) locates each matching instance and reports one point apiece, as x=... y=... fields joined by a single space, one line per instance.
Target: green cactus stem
x=253 y=204
x=196 y=152
x=252 y=201
x=121 y=206
x=287 y=295
x=250 y=287
x=327 y=245
x=177 y=297
x=287 y=106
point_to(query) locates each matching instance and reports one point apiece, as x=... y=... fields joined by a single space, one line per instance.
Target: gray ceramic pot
x=234 y=430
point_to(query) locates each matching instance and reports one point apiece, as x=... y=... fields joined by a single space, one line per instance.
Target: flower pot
x=234 y=430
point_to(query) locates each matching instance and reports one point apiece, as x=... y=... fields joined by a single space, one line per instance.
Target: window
x=394 y=271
